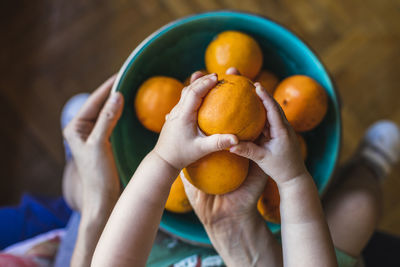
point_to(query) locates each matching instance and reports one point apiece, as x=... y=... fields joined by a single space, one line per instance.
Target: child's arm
x=305 y=235
x=129 y=234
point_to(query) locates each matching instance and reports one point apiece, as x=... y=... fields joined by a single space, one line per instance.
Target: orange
x=187 y=80
x=177 y=200
x=303 y=100
x=269 y=201
x=232 y=107
x=217 y=173
x=154 y=99
x=268 y=80
x=234 y=49
x=303 y=146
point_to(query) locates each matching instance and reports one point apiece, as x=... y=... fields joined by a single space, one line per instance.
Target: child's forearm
x=305 y=234
x=129 y=234
x=94 y=218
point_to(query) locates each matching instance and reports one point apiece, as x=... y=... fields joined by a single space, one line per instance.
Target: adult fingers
x=256 y=171
x=91 y=109
x=194 y=194
x=232 y=71
x=190 y=189
x=217 y=142
x=256 y=180
x=248 y=150
x=108 y=118
x=275 y=117
x=196 y=91
x=77 y=132
x=196 y=75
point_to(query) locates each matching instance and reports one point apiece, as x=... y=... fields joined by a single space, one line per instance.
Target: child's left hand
x=181 y=141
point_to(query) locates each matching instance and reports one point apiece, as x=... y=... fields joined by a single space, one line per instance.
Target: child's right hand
x=277 y=151
x=181 y=142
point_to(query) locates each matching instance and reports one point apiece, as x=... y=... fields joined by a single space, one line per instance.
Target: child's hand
x=181 y=142
x=277 y=151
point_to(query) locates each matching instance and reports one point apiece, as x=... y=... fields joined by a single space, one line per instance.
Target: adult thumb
x=109 y=115
x=190 y=190
x=248 y=150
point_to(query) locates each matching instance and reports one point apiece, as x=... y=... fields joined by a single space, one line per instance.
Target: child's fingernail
x=115 y=98
x=210 y=80
x=233 y=140
x=213 y=77
x=259 y=89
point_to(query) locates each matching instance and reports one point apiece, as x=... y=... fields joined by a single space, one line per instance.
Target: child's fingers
x=248 y=150
x=217 y=142
x=274 y=115
x=232 y=71
x=196 y=91
x=196 y=75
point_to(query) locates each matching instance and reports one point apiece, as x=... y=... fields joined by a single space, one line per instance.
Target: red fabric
x=9 y=260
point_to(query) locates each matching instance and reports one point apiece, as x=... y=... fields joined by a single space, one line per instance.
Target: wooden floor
x=51 y=50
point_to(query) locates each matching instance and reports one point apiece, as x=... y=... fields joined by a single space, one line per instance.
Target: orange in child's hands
x=217 y=173
x=177 y=200
x=234 y=49
x=269 y=201
x=268 y=80
x=303 y=146
x=154 y=99
x=303 y=100
x=232 y=107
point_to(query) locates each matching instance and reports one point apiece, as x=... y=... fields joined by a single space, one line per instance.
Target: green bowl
x=177 y=50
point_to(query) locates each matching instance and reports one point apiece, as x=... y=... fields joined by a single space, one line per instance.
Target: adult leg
x=72 y=187
x=353 y=206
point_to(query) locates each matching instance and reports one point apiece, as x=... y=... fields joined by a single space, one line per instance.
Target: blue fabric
x=33 y=216
x=64 y=254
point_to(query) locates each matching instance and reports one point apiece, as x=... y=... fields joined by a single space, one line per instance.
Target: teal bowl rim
x=169 y=26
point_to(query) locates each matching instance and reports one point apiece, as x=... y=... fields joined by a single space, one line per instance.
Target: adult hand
x=241 y=204
x=88 y=135
x=236 y=229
